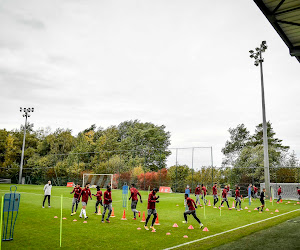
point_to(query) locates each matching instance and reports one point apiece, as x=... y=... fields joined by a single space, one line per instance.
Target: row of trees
x=60 y=154
x=137 y=152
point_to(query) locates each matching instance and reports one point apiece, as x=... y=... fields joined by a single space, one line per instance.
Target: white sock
x=84 y=213
x=81 y=212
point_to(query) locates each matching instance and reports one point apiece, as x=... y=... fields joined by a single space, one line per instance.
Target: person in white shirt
x=47 y=193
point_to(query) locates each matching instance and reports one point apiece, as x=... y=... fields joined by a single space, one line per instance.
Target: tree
x=239 y=138
x=245 y=153
x=145 y=141
x=178 y=175
x=257 y=138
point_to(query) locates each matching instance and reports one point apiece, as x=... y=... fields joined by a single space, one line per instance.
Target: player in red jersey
x=85 y=194
x=107 y=204
x=228 y=190
x=298 y=191
x=152 y=200
x=134 y=200
x=238 y=198
x=198 y=191
x=224 y=196
x=99 y=198
x=192 y=205
x=255 y=190
x=75 y=201
x=279 y=191
x=203 y=194
x=215 y=195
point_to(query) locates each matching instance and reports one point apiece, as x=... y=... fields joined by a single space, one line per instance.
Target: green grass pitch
x=36 y=227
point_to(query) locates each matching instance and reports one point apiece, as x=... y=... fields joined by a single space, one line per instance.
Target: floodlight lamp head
x=32 y=109
x=257 y=49
x=21 y=109
x=263 y=42
x=28 y=110
x=24 y=109
x=251 y=55
x=251 y=51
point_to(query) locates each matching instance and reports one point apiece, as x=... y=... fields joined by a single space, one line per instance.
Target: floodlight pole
x=265 y=132
x=26 y=115
x=259 y=60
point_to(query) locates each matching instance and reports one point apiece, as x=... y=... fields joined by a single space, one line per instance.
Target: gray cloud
x=33 y=23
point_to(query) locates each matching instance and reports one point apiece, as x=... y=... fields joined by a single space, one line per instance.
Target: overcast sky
x=180 y=63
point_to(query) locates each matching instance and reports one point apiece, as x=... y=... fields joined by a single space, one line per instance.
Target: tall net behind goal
x=289 y=190
x=101 y=180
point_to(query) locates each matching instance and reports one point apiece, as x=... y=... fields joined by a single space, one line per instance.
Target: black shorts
x=262 y=202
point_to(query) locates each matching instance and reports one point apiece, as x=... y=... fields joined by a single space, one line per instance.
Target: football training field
x=36 y=227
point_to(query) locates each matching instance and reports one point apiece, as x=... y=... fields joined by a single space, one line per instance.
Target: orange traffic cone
x=99 y=211
x=233 y=205
x=205 y=229
x=276 y=211
x=209 y=203
x=190 y=227
x=156 y=221
x=124 y=216
x=113 y=213
x=281 y=201
x=270 y=199
x=175 y=225
x=144 y=218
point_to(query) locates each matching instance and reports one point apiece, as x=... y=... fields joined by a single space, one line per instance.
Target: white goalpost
x=101 y=180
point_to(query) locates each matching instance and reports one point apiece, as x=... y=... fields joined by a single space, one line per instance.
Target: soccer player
x=262 y=200
x=99 y=198
x=47 y=193
x=298 y=190
x=228 y=189
x=107 y=204
x=134 y=200
x=279 y=191
x=215 y=195
x=192 y=205
x=85 y=194
x=152 y=200
x=238 y=198
x=224 y=196
x=198 y=191
x=255 y=190
x=75 y=201
x=187 y=190
x=203 y=194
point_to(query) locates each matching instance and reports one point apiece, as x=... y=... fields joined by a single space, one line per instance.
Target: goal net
x=289 y=190
x=101 y=180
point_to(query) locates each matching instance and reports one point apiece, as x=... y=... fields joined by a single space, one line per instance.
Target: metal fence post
x=192 y=167
x=176 y=172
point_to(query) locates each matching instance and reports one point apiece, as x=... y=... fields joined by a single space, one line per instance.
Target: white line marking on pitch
x=193 y=241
